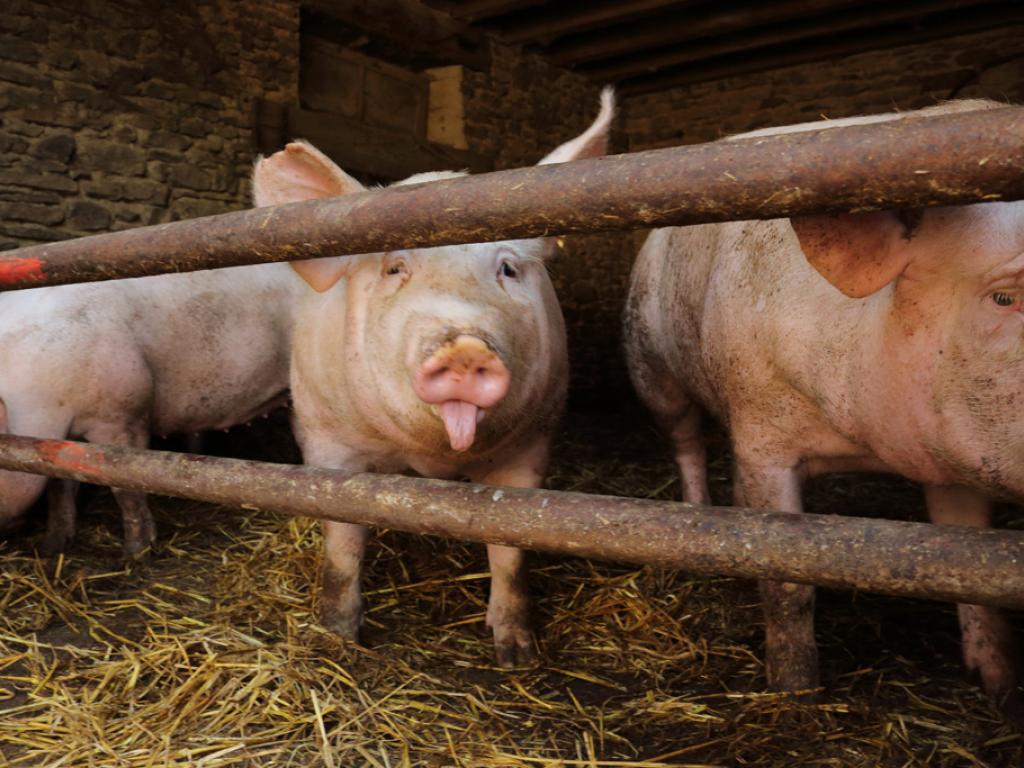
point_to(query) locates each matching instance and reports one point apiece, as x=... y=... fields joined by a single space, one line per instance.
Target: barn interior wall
x=989 y=64
x=121 y=114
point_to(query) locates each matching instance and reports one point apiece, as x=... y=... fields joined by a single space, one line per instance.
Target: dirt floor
x=208 y=653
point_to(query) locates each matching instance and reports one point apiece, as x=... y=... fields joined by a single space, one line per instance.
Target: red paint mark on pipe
x=73 y=456
x=15 y=270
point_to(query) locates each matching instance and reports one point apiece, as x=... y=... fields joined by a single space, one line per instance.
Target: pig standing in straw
x=114 y=362
x=450 y=361
x=887 y=341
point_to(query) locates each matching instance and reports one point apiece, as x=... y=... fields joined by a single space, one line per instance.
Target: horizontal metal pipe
x=898 y=558
x=939 y=160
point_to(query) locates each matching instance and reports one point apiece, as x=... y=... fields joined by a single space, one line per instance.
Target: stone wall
x=117 y=114
x=989 y=64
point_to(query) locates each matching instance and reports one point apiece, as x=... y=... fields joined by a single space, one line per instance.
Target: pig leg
x=508 y=609
x=19 y=489
x=791 y=653
x=60 y=523
x=988 y=646
x=341 y=599
x=139 y=528
x=676 y=413
x=691 y=456
x=17 y=492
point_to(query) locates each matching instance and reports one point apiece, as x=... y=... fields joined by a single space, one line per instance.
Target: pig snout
x=463 y=377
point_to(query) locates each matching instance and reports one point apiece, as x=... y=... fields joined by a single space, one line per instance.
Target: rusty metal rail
x=898 y=558
x=947 y=159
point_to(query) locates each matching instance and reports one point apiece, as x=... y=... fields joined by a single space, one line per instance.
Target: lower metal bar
x=898 y=558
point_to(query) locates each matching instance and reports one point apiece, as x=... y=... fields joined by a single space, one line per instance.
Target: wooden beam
x=670 y=28
x=977 y=19
x=549 y=27
x=477 y=10
x=412 y=24
x=793 y=32
x=381 y=152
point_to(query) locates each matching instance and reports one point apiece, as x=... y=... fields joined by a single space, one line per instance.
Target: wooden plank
x=977 y=19
x=476 y=10
x=792 y=32
x=413 y=25
x=384 y=153
x=679 y=27
x=544 y=28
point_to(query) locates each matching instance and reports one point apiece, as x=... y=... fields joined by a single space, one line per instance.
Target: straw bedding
x=208 y=653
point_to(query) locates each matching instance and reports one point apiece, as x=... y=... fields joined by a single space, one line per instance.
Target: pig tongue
x=459 y=419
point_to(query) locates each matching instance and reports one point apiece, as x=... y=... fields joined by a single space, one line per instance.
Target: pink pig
x=113 y=362
x=888 y=341
x=449 y=361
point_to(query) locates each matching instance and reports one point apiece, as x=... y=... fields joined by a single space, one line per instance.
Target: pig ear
x=593 y=142
x=859 y=253
x=302 y=172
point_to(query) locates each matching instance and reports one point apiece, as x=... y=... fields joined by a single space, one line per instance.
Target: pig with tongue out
x=449 y=361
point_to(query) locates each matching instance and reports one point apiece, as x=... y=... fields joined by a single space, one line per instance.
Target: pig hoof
x=139 y=537
x=1008 y=695
x=795 y=674
x=54 y=543
x=516 y=649
x=345 y=624
x=137 y=547
x=135 y=550
x=1012 y=707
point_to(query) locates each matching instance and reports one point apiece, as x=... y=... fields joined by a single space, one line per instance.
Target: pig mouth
x=460 y=419
x=460 y=380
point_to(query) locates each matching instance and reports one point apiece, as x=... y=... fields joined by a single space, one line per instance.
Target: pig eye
x=509 y=270
x=396 y=268
x=1004 y=299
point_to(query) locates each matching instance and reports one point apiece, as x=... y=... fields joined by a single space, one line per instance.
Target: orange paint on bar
x=69 y=455
x=14 y=270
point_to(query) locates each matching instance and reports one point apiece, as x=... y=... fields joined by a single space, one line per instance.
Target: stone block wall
x=989 y=64
x=119 y=114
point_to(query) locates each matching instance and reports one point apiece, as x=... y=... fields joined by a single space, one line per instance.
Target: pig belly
x=207 y=395
x=205 y=406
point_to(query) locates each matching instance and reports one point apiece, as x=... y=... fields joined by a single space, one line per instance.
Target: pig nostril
x=481 y=371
